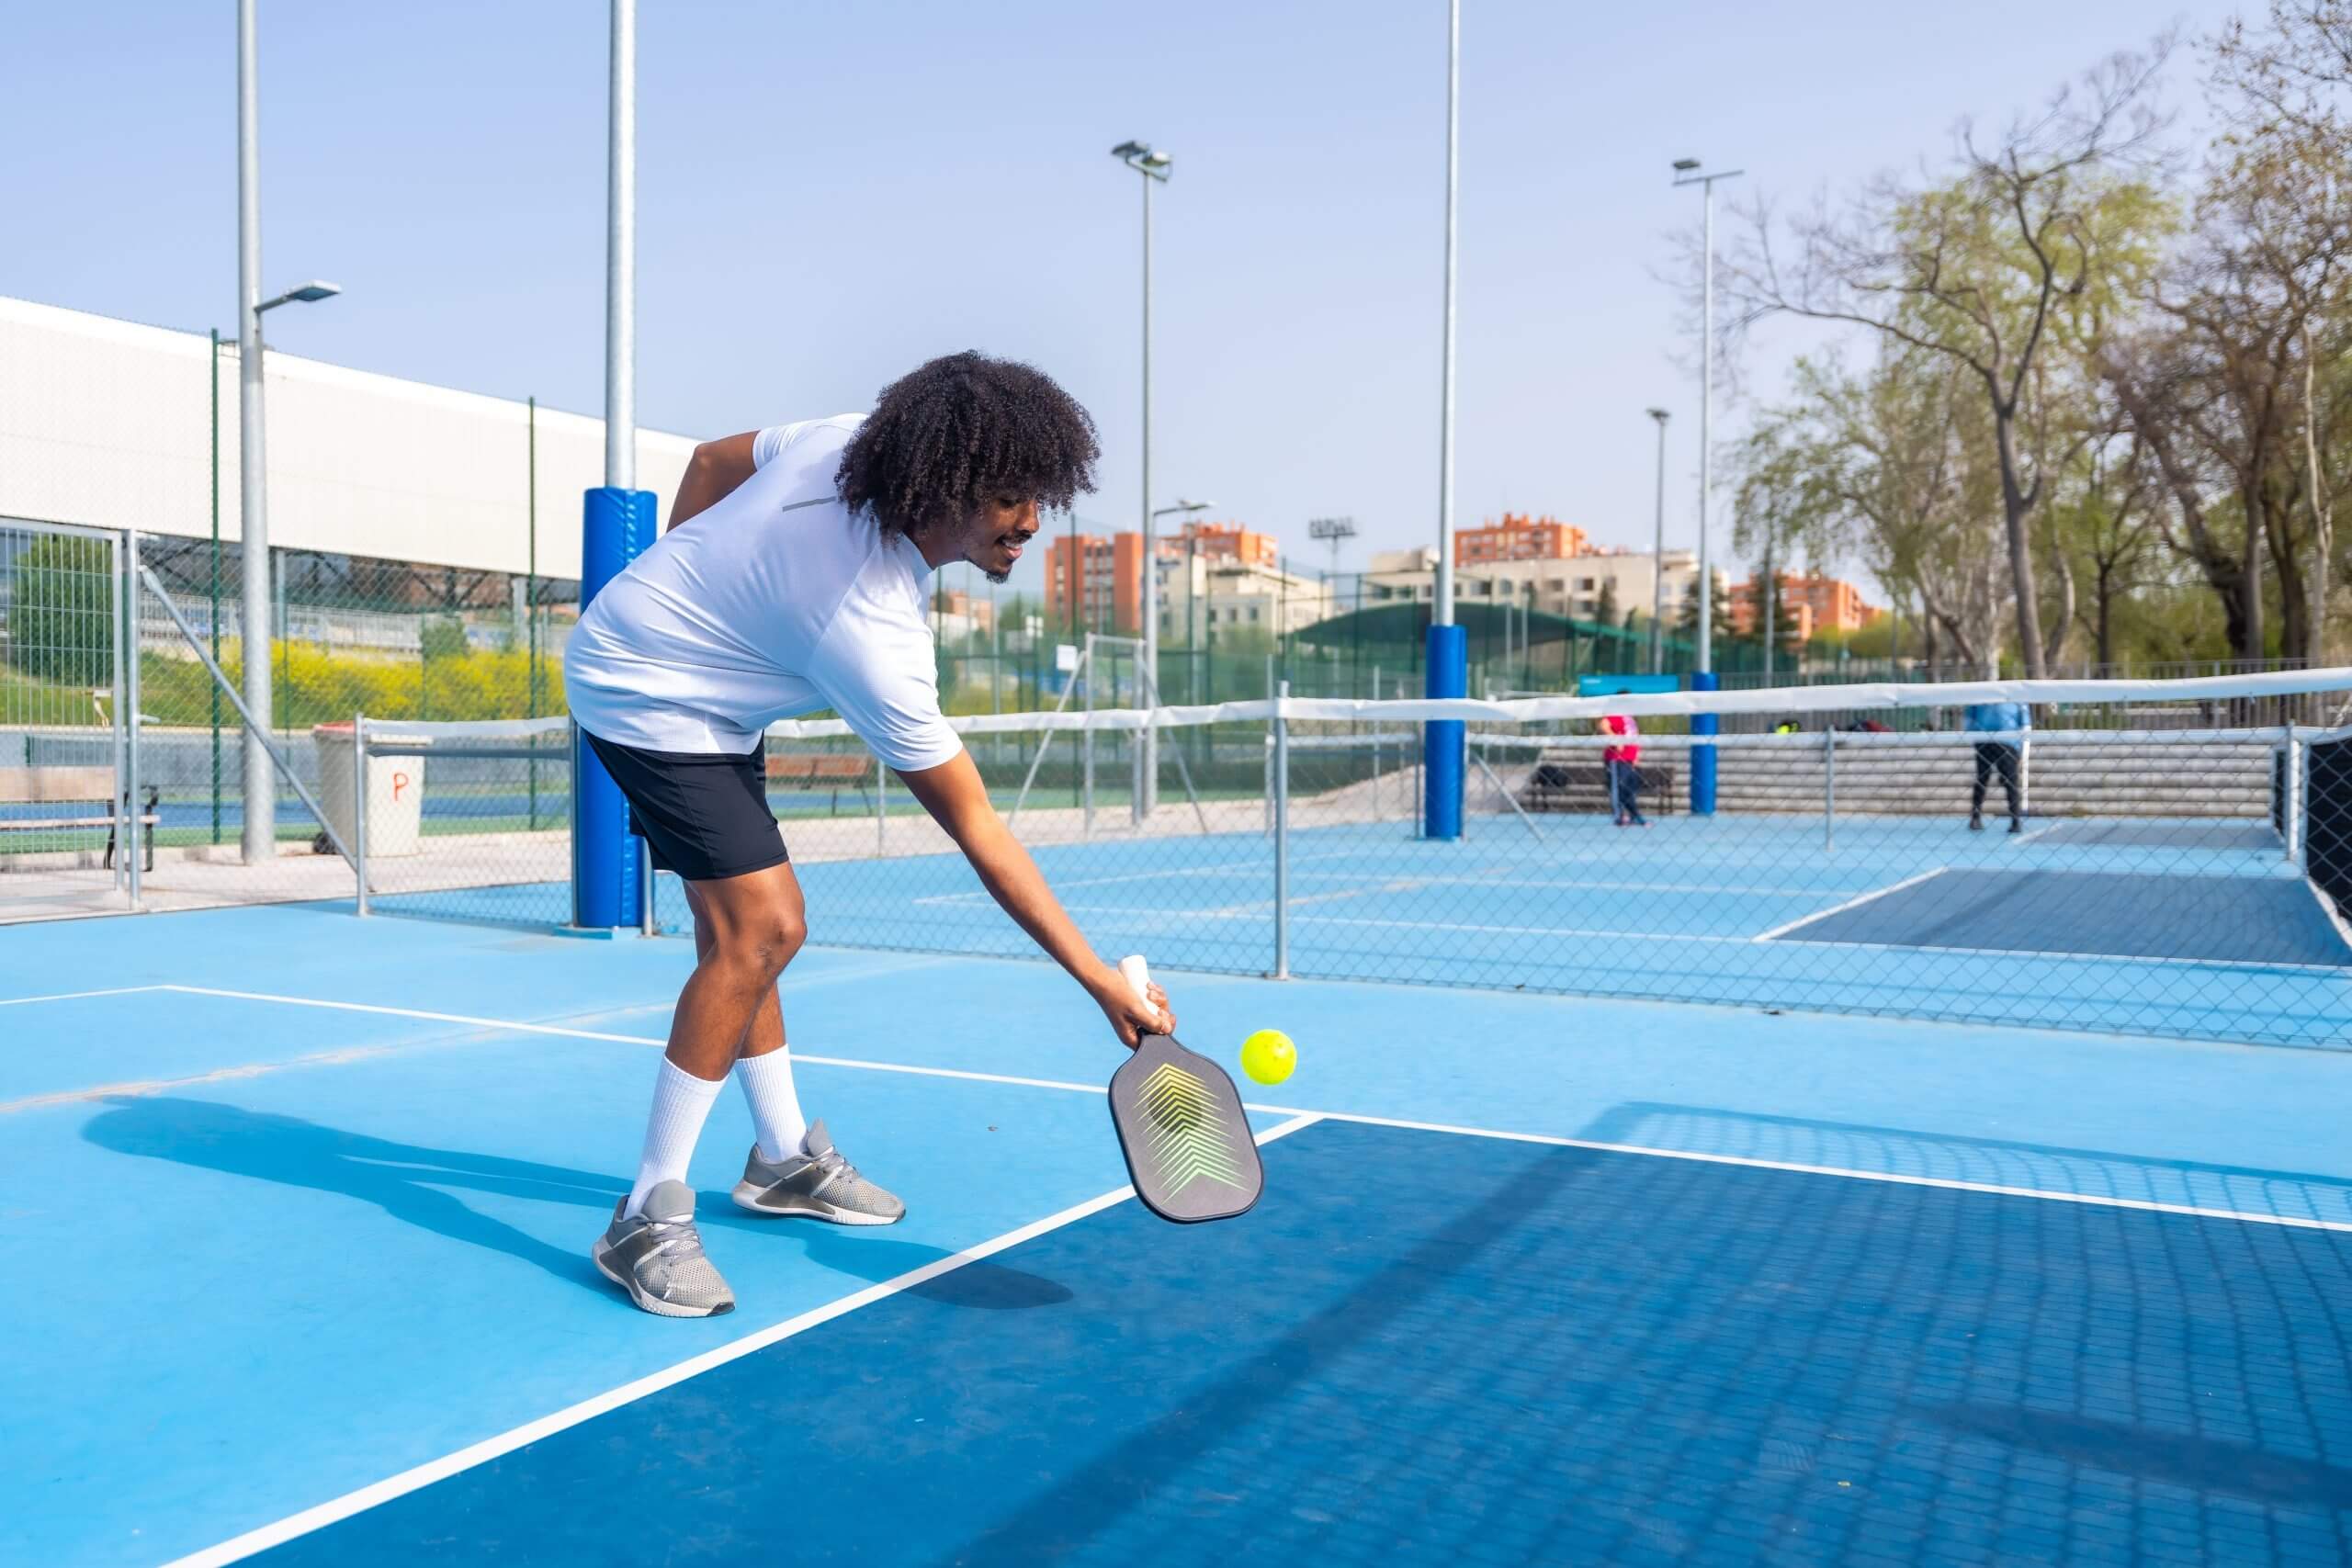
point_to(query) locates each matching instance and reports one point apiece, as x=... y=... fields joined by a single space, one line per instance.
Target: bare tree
x=1984 y=268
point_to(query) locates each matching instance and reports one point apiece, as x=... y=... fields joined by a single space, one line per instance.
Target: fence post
x=1829 y=789
x=1267 y=793
x=1281 y=833
x=123 y=587
x=1085 y=671
x=134 y=819
x=881 y=807
x=359 y=805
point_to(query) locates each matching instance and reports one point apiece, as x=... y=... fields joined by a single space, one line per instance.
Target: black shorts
x=704 y=815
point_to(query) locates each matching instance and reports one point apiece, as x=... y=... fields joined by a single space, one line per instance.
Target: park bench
x=834 y=773
x=89 y=787
x=1564 y=781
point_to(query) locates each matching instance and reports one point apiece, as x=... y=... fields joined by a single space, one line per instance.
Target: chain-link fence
x=2171 y=858
x=2131 y=858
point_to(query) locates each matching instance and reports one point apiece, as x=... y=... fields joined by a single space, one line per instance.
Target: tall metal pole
x=1147 y=740
x=620 y=259
x=1442 y=614
x=1706 y=416
x=1657 y=556
x=212 y=378
x=259 y=839
x=1446 y=671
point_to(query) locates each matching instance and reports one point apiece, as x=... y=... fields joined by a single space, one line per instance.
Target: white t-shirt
x=772 y=603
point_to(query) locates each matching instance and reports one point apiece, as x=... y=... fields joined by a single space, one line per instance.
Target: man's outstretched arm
x=958 y=801
x=712 y=474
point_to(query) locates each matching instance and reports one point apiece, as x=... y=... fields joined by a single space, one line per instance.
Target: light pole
x=1148 y=760
x=1693 y=175
x=1657 y=554
x=259 y=837
x=1447 y=665
x=1184 y=509
x=1154 y=167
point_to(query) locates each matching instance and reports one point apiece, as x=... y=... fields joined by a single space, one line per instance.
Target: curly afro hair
x=944 y=438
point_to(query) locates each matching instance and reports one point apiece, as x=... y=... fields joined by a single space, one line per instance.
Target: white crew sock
x=775 y=1106
x=680 y=1102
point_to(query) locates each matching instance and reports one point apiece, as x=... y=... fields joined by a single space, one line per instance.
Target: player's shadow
x=413 y=1184
x=986 y=1284
x=408 y=1181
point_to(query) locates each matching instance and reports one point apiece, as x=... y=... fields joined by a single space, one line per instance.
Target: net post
x=1703 y=755
x=2292 y=829
x=1444 y=752
x=359 y=809
x=652 y=924
x=1829 y=789
x=617 y=526
x=1281 y=759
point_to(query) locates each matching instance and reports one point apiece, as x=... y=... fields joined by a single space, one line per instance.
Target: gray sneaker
x=818 y=1183
x=657 y=1258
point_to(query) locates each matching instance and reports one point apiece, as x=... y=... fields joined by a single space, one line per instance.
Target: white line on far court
x=1851 y=904
x=507 y=1442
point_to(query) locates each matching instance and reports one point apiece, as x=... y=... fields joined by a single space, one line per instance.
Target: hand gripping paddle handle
x=1138 y=974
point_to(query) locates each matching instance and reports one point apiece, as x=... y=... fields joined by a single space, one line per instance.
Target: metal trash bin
x=395 y=790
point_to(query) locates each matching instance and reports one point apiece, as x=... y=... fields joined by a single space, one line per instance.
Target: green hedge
x=313 y=686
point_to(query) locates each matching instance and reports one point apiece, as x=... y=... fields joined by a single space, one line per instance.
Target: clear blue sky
x=831 y=193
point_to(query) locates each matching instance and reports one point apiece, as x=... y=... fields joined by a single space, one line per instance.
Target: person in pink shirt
x=1625 y=777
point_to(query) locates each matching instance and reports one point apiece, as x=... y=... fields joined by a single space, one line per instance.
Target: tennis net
x=2180 y=862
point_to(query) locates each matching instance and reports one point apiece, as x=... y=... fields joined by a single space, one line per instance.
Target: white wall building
x=1572 y=586
x=1216 y=599
x=110 y=424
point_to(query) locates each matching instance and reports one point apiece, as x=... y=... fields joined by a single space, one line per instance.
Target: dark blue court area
x=1536 y=1279
x=1426 y=1348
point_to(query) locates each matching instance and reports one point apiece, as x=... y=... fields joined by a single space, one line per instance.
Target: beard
x=999 y=578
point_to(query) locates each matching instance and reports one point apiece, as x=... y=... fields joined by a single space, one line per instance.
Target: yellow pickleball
x=1269 y=1056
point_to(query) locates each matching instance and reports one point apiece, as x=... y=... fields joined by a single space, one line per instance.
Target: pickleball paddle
x=1182 y=1127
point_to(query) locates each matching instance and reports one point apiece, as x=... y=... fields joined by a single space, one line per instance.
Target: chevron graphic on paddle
x=1182 y=1128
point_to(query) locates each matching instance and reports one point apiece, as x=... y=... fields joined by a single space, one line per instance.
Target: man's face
x=992 y=539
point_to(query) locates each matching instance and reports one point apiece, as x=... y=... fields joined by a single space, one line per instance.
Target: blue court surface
x=300 y=1209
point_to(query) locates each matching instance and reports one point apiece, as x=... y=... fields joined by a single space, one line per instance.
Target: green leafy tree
x=61 y=611
x=2002 y=271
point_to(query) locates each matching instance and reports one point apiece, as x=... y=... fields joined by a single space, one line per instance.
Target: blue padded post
x=1449 y=676
x=607 y=889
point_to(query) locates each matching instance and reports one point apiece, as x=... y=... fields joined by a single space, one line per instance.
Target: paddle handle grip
x=1138 y=974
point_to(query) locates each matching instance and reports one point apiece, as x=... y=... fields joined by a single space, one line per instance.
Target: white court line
x=1262 y=863
x=1618 y=932
x=1891 y=1178
x=507 y=1442
x=1327 y=1115
x=78 y=996
x=1851 y=904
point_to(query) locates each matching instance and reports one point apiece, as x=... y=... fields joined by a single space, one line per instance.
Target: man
x=793 y=579
x=1621 y=759
x=1998 y=756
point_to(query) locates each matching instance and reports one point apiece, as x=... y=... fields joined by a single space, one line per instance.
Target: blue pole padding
x=607 y=891
x=1449 y=676
x=1703 y=758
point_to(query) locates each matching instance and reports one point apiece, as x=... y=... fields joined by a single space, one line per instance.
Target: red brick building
x=1815 y=604
x=1520 y=538
x=1104 y=576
